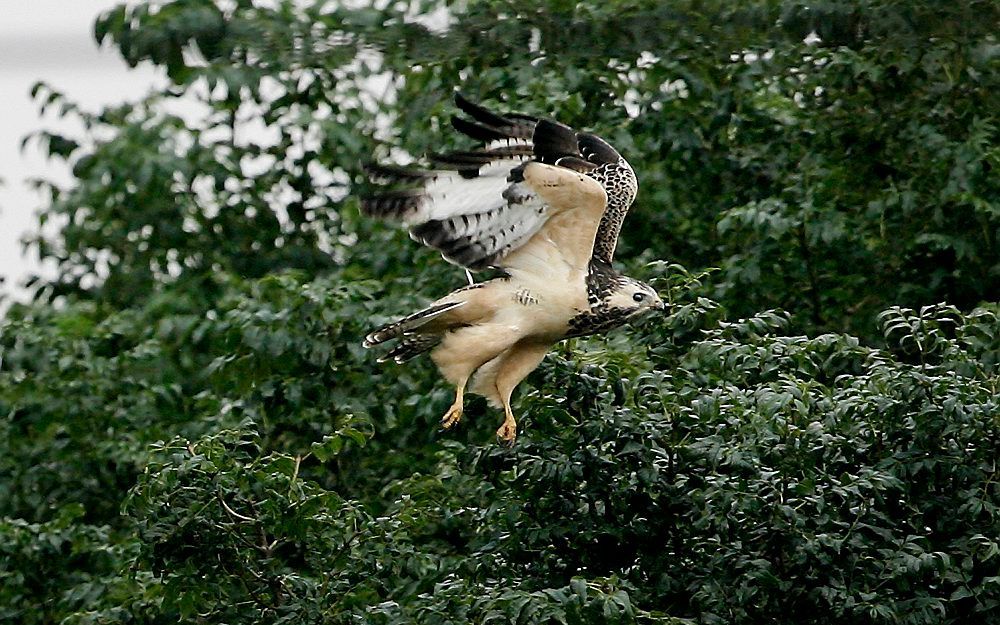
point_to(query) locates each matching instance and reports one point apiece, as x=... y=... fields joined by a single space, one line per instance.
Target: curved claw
x=452 y=417
x=507 y=433
x=454 y=414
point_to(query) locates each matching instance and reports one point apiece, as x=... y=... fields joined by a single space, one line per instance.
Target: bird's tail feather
x=412 y=345
x=409 y=323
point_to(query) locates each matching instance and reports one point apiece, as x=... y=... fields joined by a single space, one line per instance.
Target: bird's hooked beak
x=660 y=305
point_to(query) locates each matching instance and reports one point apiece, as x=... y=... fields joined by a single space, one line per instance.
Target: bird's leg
x=517 y=364
x=508 y=429
x=454 y=414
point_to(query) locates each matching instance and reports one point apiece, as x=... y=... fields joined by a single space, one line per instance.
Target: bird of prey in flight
x=538 y=201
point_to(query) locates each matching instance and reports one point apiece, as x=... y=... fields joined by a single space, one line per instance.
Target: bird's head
x=633 y=298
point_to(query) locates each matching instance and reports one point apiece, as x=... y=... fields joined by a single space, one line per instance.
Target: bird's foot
x=452 y=417
x=507 y=433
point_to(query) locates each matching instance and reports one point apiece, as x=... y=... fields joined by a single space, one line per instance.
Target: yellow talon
x=454 y=414
x=452 y=417
x=507 y=431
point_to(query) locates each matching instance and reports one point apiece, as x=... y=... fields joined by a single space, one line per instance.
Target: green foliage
x=190 y=430
x=733 y=477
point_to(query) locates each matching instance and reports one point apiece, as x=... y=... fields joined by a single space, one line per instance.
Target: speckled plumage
x=540 y=202
x=620 y=182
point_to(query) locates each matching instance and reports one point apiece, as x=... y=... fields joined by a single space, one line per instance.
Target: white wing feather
x=449 y=194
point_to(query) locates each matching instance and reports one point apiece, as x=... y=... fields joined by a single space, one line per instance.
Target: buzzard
x=538 y=201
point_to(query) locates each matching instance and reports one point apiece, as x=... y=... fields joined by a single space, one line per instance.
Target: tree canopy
x=190 y=430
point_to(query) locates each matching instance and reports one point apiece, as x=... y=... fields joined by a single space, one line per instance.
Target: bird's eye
x=639 y=297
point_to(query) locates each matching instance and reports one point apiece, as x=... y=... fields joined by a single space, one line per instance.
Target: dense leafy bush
x=191 y=431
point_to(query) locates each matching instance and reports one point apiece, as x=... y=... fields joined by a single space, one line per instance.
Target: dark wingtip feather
x=553 y=140
x=597 y=150
x=479 y=113
x=462 y=159
x=394 y=173
x=467 y=164
x=576 y=164
x=476 y=130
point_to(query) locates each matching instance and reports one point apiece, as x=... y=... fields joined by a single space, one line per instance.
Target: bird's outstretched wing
x=537 y=191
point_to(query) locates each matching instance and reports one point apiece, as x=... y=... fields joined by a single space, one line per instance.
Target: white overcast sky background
x=51 y=41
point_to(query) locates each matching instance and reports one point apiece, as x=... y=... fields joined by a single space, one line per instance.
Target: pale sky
x=51 y=41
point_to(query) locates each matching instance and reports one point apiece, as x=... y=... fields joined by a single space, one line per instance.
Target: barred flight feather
x=473 y=205
x=397 y=204
x=476 y=240
x=450 y=194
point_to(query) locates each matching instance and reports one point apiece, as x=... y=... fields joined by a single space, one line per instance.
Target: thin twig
x=232 y=513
